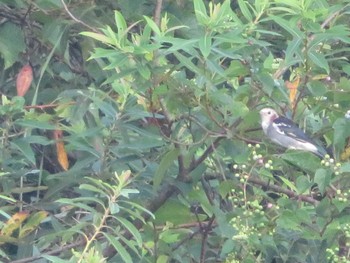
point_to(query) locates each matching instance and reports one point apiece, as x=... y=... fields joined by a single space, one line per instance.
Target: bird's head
x=267 y=116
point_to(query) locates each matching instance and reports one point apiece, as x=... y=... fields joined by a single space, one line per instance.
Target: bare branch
x=52 y=252
x=278 y=189
x=206 y=153
x=158 y=11
x=76 y=19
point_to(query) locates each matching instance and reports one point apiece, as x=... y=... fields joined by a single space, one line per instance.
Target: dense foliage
x=130 y=131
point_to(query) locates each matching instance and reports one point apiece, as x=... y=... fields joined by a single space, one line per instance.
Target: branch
x=45 y=106
x=76 y=19
x=206 y=153
x=52 y=252
x=205 y=231
x=212 y=147
x=278 y=189
x=200 y=225
x=158 y=11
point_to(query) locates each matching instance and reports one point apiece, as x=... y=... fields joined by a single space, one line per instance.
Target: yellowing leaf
x=293 y=88
x=345 y=155
x=32 y=223
x=13 y=223
x=24 y=79
x=321 y=77
x=62 y=157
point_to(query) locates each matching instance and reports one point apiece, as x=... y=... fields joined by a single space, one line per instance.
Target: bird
x=286 y=133
x=347 y=115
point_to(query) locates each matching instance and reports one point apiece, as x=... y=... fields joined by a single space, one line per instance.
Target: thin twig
x=45 y=106
x=325 y=23
x=52 y=252
x=76 y=19
x=212 y=147
x=247 y=140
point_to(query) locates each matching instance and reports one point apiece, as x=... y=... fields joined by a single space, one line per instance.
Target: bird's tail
x=322 y=152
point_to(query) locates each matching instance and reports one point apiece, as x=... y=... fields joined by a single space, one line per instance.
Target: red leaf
x=24 y=79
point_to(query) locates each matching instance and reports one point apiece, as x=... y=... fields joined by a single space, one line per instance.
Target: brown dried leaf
x=293 y=88
x=13 y=223
x=62 y=156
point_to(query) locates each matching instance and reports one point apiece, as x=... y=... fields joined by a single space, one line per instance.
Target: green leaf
x=24 y=147
x=11 y=43
x=6 y=198
x=93 y=189
x=162 y=259
x=88 y=200
x=152 y=25
x=205 y=45
x=317 y=88
x=323 y=208
x=200 y=12
x=144 y=71
x=38 y=140
x=319 y=59
x=304 y=160
x=187 y=62
x=293 y=48
x=139 y=207
x=340 y=205
x=174 y=212
x=267 y=81
x=132 y=229
x=80 y=205
x=99 y=37
x=239 y=109
x=114 y=208
x=32 y=223
x=179 y=44
x=289 y=26
x=261 y=5
x=243 y=5
x=36 y=124
x=164 y=165
x=345 y=168
x=121 y=25
x=118 y=247
x=142 y=143
x=8 y=239
x=303 y=184
x=322 y=179
x=294 y=219
x=236 y=69
x=289 y=220
x=28 y=189
x=341 y=131
x=288 y=183
x=346 y=69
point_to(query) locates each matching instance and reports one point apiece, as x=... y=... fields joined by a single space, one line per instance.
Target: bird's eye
x=269 y=112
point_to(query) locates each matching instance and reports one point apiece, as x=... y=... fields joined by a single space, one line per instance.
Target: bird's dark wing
x=289 y=128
